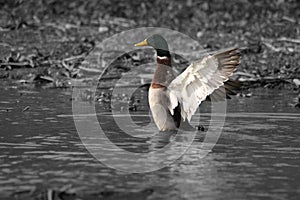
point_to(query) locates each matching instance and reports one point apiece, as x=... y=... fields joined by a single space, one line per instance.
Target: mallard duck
x=173 y=100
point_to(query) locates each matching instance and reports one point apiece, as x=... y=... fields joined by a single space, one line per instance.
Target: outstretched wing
x=200 y=79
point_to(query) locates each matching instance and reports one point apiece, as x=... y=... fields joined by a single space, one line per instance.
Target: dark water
x=256 y=157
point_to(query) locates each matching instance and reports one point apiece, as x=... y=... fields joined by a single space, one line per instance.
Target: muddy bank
x=46 y=42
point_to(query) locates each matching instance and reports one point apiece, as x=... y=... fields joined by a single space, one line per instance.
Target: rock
x=297 y=82
x=102 y=29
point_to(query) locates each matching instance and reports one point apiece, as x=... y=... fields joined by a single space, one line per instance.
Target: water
x=256 y=157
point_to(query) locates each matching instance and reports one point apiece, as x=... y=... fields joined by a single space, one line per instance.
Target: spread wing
x=200 y=79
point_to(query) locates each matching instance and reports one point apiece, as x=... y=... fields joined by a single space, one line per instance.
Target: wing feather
x=201 y=79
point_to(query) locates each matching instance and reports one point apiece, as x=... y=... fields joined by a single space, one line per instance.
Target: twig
x=74 y=57
x=86 y=79
x=270 y=46
x=284 y=39
x=26 y=108
x=90 y=69
x=22 y=64
x=47 y=78
x=289 y=19
x=244 y=74
x=65 y=65
x=268 y=79
x=61 y=26
x=4 y=29
x=5 y=44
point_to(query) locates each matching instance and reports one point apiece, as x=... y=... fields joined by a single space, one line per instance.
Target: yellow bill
x=143 y=43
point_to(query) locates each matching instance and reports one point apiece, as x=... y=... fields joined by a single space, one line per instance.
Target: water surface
x=256 y=157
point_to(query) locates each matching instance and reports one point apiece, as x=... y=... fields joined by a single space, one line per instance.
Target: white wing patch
x=199 y=80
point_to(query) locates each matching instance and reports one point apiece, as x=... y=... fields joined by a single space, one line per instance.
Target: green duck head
x=158 y=43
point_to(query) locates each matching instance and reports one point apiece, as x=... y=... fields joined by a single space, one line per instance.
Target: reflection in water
x=257 y=156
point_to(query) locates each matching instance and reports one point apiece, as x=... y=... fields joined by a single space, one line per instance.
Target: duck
x=173 y=100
